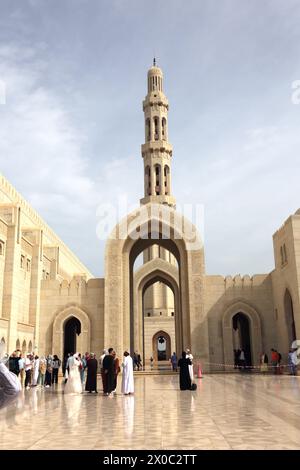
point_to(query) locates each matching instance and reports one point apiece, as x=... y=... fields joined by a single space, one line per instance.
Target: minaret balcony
x=157 y=146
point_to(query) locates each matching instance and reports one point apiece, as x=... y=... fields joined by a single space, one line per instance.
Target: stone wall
x=251 y=296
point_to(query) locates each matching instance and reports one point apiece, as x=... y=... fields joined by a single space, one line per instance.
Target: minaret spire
x=156 y=151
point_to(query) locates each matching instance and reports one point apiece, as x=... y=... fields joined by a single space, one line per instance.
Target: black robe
x=91 y=380
x=184 y=376
x=109 y=370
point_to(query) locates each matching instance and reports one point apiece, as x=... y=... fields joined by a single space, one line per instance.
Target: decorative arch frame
x=254 y=326
x=58 y=329
x=168 y=347
x=123 y=247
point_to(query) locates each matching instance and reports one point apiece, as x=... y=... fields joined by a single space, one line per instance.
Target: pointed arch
x=58 y=329
x=253 y=318
x=289 y=316
x=156 y=337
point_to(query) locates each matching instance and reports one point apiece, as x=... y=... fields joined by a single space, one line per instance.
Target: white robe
x=73 y=384
x=35 y=371
x=191 y=368
x=10 y=385
x=127 y=376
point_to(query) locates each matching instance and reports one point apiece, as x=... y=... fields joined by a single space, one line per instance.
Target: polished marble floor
x=234 y=411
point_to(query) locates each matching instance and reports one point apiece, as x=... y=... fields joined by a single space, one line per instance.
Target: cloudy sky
x=72 y=125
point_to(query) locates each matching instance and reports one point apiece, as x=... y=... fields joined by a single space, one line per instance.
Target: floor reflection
x=231 y=411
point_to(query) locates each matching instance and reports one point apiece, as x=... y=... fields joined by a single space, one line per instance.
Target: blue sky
x=72 y=126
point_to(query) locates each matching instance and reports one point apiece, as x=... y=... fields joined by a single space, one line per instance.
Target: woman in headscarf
x=184 y=376
x=73 y=384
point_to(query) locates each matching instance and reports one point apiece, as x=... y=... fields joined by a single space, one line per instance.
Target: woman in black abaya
x=184 y=376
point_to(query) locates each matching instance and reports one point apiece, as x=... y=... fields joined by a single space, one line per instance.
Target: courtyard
x=228 y=411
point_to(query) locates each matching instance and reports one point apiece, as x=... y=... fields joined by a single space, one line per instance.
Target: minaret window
x=164 y=128
x=167 y=179
x=148 y=180
x=157 y=180
x=156 y=135
x=148 y=130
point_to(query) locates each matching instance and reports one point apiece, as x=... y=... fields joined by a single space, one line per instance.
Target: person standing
x=91 y=380
x=22 y=369
x=82 y=367
x=48 y=378
x=13 y=363
x=73 y=384
x=191 y=367
x=242 y=360
x=42 y=371
x=127 y=376
x=55 y=368
x=292 y=363
x=184 y=376
x=28 y=367
x=174 y=362
x=109 y=371
x=264 y=362
x=151 y=362
x=117 y=370
x=103 y=376
x=35 y=372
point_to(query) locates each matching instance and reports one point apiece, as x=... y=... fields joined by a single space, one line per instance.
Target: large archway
x=289 y=317
x=125 y=243
x=72 y=329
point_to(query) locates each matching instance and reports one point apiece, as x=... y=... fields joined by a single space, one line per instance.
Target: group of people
x=241 y=359
x=33 y=370
x=276 y=361
x=109 y=367
x=275 y=365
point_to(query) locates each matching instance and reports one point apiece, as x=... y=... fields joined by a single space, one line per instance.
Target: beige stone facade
x=50 y=302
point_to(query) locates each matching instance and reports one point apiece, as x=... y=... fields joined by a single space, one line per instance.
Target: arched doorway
x=24 y=347
x=83 y=342
x=30 y=347
x=250 y=331
x=241 y=336
x=289 y=317
x=144 y=327
x=161 y=344
x=18 y=344
x=72 y=329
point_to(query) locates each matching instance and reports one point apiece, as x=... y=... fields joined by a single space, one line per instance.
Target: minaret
x=156 y=151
